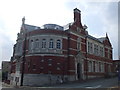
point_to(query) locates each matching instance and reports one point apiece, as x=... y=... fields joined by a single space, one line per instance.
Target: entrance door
x=78 y=71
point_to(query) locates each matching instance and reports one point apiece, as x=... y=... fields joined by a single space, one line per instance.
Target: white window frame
x=31 y=45
x=58 y=44
x=37 y=43
x=90 y=47
x=43 y=43
x=90 y=66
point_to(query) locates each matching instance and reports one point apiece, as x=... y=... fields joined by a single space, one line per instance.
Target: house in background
x=116 y=65
x=56 y=54
x=6 y=68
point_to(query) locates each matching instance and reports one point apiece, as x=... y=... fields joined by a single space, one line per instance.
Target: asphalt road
x=98 y=83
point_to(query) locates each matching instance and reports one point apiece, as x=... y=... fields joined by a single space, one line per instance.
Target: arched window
x=44 y=43
x=58 y=44
x=51 y=43
x=36 y=43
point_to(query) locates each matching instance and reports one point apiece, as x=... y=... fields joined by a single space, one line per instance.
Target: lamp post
x=86 y=59
x=23 y=60
x=24 y=34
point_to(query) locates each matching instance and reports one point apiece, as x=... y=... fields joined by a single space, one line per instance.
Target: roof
x=52 y=26
x=67 y=26
x=31 y=27
x=93 y=38
x=102 y=39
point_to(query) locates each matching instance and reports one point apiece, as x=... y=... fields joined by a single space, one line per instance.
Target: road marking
x=93 y=86
x=115 y=87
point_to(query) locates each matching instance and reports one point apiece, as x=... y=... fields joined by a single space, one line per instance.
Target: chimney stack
x=77 y=17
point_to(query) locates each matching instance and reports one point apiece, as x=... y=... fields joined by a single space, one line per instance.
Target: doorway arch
x=79 y=64
x=78 y=71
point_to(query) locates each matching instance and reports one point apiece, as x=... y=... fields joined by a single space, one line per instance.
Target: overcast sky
x=100 y=17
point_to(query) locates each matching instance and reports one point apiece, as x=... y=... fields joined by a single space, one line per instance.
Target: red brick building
x=116 y=65
x=53 y=54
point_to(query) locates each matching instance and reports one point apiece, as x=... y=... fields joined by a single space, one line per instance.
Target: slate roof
x=31 y=27
x=52 y=26
x=67 y=26
x=102 y=39
x=93 y=38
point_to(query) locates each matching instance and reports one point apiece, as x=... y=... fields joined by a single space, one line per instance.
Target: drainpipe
x=86 y=60
x=68 y=53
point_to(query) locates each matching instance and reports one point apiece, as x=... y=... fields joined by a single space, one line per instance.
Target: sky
x=101 y=17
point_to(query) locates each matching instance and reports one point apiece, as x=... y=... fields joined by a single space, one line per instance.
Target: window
x=90 y=66
x=36 y=43
x=34 y=67
x=51 y=43
x=58 y=44
x=42 y=60
x=96 y=66
x=95 y=49
x=101 y=51
x=32 y=45
x=102 y=67
x=78 y=44
x=109 y=53
x=90 y=47
x=99 y=66
x=44 y=43
x=58 y=66
x=49 y=62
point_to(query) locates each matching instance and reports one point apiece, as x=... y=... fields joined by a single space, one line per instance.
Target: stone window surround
x=54 y=43
x=94 y=49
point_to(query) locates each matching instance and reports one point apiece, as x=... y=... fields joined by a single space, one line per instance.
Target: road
x=98 y=83
x=91 y=84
